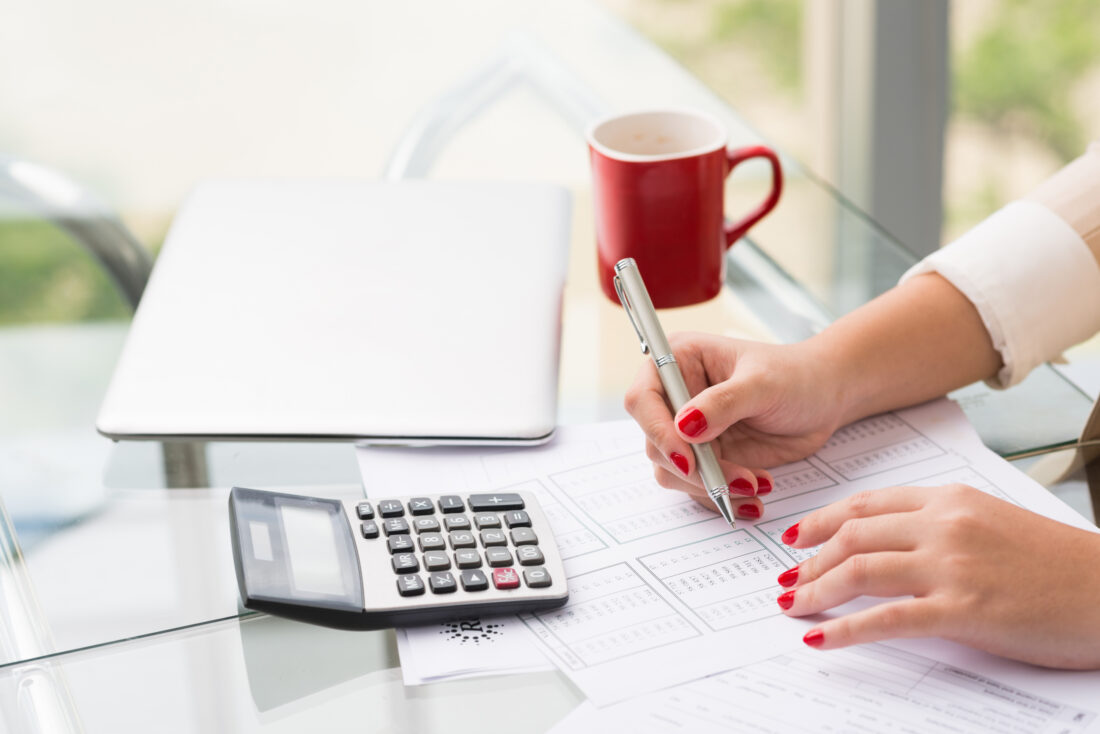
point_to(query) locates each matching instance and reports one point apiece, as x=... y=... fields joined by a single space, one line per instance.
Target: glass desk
x=121 y=613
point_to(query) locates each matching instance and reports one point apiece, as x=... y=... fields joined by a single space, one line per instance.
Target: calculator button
x=425 y=524
x=474 y=581
x=457 y=522
x=421 y=506
x=431 y=542
x=498 y=557
x=399 y=543
x=536 y=578
x=369 y=528
x=505 y=578
x=390 y=508
x=436 y=561
x=442 y=583
x=463 y=539
x=524 y=536
x=529 y=555
x=467 y=559
x=395 y=526
x=497 y=501
x=451 y=503
x=517 y=519
x=486 y=521
x=403 y=562
x=493 y=537
x=365 y=511
x=410 y=585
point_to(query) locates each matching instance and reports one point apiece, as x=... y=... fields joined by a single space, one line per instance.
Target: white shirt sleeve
x=1033 y=279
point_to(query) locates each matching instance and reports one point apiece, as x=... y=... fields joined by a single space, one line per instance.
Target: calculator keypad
x=483 y=546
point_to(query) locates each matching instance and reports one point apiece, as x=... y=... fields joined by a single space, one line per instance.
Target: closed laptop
x=410 y=312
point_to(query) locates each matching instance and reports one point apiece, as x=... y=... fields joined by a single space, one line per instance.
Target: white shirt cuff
x=1034 y=281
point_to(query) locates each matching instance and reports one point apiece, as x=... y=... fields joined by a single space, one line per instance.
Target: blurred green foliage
x=1020 y=71
x=46 y=276
x=773 y=27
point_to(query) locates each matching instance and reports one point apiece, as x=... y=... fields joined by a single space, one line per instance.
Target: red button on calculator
x=505 y=578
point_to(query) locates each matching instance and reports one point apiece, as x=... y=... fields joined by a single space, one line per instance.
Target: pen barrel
x=705 y=460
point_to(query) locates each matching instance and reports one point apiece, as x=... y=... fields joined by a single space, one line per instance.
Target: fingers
x=891 y=573
x=820 y=525
x=748 y=508
x=742 y=482
x=645 y=402
x=712 y=411
x=905 y=618
x=858 y=536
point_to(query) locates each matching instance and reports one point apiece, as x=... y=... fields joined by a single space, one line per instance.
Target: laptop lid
x=408 y=312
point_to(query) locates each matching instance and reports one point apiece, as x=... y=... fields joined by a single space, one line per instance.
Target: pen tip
x=726 y=508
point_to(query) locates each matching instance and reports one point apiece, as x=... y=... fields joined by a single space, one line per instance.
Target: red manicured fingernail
x=786 y=599
x=763 y=485
x=814 y=638
x=790 y=535
x=789 y=577
x=748 y=512
x=742 y=487
x=692 y=423
x=680 y=461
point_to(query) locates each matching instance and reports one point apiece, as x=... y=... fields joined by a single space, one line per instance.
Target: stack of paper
x=663 y=593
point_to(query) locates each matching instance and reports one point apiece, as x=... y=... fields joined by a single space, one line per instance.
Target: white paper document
x=468 y=648
x=868 y=688
x=662 y=591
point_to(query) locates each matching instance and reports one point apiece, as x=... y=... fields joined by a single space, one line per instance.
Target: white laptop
x=395 y=312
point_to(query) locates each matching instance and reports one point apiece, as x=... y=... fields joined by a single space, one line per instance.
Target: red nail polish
x=786 y=599
x=814 y=638
x=680 y=461
x=693 y=423
x=763 y=485
x=790 y=535
x=743 y=487
x=748 y=512
x=789 y=577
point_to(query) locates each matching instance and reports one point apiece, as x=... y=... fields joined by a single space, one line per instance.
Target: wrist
x=844 y=387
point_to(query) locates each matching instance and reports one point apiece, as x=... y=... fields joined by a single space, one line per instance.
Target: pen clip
x=621 y=292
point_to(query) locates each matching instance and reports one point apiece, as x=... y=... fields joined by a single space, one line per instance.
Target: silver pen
x=639 y=308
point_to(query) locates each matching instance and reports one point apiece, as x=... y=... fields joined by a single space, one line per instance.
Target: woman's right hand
x=762 y=404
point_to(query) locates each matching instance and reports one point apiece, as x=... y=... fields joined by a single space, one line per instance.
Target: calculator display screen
x=311 y=545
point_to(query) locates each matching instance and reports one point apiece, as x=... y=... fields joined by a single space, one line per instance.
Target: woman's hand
x=761 y=404
x=980 y=571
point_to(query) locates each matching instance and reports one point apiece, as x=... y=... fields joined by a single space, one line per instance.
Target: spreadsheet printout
x=867 y=688
x=662 y=590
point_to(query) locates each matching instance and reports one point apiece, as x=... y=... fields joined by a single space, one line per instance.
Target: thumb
x=708 y=414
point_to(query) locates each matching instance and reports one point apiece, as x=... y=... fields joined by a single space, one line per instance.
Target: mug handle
x=736 y=231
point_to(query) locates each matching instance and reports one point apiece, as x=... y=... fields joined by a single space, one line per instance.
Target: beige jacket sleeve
x=1031 y=269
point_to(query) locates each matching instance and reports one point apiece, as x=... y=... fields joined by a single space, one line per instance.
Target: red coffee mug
x=658 y=180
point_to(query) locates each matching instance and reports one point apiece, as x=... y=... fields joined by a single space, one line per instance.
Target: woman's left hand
x=980 y=571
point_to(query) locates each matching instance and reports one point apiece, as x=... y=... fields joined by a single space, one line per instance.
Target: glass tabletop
x=106 y=553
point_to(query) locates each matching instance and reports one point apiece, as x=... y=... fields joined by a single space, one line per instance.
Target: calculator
x=374 y=564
